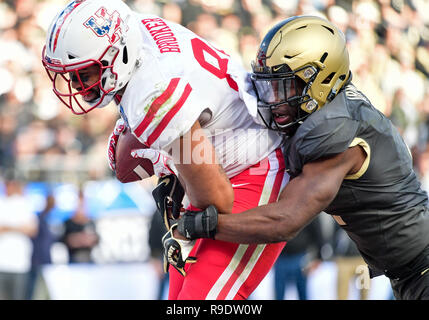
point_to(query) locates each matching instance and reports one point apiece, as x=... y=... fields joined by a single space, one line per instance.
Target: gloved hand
x=113 y=140
x=168 y=196
x=162 y=163
x=169 y=193
x=176 y=251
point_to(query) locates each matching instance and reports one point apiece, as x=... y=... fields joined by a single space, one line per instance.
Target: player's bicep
x=327 y=174
x=206 y=182
x=315 y=188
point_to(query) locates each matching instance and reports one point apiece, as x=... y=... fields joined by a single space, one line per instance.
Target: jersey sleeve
x=321 y=139
x=165 y=114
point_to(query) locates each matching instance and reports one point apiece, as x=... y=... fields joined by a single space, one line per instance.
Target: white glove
x=162 y=163
x=113 y=140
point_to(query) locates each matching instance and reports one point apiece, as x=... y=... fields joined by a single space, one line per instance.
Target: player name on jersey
x=162 y=35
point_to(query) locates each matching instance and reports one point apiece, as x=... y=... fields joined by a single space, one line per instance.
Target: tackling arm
x=302 y=199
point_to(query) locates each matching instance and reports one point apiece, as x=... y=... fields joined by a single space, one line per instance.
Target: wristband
x=199 y=224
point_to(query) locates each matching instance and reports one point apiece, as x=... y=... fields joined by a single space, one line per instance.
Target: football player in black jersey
x=344 y=157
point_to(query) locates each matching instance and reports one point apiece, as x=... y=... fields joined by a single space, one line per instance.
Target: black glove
x=199 y=224
x=168 y=196
x=176 y=251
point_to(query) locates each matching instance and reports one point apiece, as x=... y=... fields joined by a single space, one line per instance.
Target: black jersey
x=382 y=207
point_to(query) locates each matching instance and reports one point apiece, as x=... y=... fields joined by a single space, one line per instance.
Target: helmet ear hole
x=328 y=78
x=125 y=55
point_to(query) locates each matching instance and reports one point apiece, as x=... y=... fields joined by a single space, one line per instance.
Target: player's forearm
x=274 y=222
x=302 y=199
x=198 y=166
x=263 y=224
x=206 y=185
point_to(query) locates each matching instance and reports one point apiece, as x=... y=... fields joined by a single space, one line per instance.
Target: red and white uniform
x=184 y=79
x=231 y=271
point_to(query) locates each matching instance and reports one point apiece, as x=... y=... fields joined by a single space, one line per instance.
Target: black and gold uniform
x=382 y=207
x=302 y=81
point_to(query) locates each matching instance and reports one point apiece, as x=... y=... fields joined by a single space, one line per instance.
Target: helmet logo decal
x=60 y=21
x=105 y=24
x=309 y=72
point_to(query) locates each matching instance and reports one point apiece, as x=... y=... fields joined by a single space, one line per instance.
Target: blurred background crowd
x=42 y=143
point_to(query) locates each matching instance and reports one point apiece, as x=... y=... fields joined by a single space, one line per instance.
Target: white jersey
x=183 y=79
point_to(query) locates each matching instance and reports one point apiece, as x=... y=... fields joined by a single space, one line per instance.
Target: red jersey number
x=199 y=47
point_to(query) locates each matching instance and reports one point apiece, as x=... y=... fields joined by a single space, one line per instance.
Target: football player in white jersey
x=170 y=84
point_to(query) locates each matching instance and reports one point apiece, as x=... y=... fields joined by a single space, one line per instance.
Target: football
x=129 y=169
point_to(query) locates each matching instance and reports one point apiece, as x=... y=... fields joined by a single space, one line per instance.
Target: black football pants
x=415 y=285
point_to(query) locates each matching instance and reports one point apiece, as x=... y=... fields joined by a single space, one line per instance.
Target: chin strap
x=106 y=99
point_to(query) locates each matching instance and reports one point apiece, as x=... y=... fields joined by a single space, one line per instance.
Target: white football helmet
x=100 y=35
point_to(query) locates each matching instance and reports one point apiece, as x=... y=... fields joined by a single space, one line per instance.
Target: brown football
x=129 y=169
